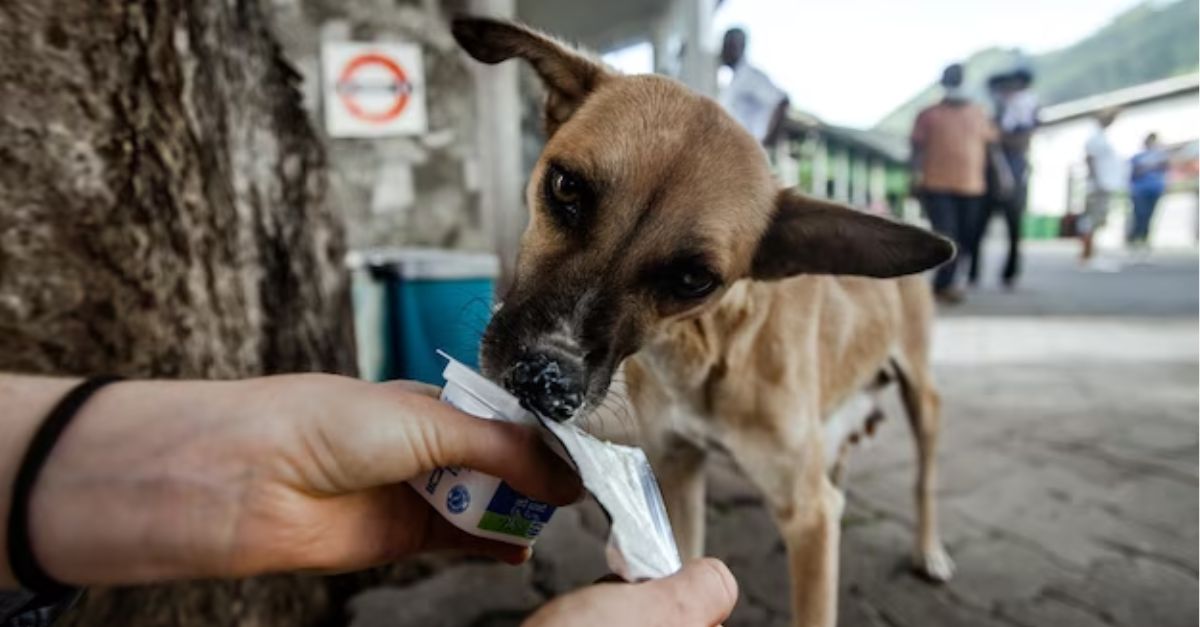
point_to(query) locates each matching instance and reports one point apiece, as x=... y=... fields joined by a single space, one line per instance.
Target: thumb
x=703 y=592
x=396 y=434
x=414 y=387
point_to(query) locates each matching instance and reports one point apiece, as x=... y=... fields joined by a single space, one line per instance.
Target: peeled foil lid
x=641 y=544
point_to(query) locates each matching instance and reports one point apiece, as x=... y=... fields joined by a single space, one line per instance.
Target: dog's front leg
x=678 y=462
x=812 y=534
x=807 y=509
x=679 y=467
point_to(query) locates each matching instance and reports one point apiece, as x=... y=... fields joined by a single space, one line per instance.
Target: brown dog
x=659 y=241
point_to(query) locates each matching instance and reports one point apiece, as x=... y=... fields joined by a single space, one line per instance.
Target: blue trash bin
x=431 y=299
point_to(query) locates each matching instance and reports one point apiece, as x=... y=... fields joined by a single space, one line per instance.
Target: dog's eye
x=566 y=188
x=565 y=194
x=694 y=283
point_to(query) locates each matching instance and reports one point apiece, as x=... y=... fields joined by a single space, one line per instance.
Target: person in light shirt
x=750 y=97
x=1106 y=176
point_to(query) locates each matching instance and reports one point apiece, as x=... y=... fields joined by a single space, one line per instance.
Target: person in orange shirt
x=950 y=144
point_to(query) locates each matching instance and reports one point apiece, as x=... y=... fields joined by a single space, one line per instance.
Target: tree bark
x=162 y=214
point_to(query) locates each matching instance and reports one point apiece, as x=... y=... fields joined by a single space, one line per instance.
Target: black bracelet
x=21 y=560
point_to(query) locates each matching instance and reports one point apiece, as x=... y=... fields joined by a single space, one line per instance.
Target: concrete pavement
x=1068 y=479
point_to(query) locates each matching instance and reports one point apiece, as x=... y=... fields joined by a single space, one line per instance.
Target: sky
x=851 y=62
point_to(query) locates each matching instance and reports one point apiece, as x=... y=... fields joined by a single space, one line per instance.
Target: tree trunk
x=162 y=214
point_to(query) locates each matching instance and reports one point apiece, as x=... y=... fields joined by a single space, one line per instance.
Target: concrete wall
x=398 y=190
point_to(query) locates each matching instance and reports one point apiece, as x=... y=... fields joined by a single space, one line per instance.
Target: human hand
x=169 y=480
x=702 y=594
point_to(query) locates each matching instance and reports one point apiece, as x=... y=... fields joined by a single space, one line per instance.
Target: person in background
x=750 y=97
x=1106 y=176
x=1016 y=115
x=950 y=143
x=1147 y=180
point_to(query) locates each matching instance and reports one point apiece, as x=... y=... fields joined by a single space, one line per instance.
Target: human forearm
x=90 y=509
x=147 y=477
x=24 y=402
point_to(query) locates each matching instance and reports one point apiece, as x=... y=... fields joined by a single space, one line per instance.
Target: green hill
x=1148 y=42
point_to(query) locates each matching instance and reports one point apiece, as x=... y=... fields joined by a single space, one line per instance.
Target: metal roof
x=882 y=144
x=1146 y=92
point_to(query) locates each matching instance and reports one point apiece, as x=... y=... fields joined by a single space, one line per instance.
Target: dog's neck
x=683 y=354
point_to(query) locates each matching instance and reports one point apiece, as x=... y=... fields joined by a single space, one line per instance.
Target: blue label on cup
x=515 y=514
x=458 y=499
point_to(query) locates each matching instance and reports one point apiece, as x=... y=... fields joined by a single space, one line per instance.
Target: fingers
x=703 y=592
x=359 y=530
x=445 y=536
x=399 y=434
x=512 y=452
x=415 y=387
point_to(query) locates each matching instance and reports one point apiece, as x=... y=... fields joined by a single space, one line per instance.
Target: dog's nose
x=552 y=387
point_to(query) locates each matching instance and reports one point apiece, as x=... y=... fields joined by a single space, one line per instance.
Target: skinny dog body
x=759 y=377
x=659 y=243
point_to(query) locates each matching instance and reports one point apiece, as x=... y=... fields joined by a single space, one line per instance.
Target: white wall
x=399 y=191
x=1058 y=148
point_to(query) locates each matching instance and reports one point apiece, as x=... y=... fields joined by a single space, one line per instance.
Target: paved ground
x=1068 y=479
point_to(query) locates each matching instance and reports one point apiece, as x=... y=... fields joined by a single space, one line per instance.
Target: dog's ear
x=811 y=236
x=569 y=76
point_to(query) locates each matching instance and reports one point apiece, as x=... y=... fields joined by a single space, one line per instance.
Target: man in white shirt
x=750 y=97
x=1106 y=176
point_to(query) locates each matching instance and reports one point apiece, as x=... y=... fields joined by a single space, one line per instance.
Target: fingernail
x=718 y=570
x=523 y=556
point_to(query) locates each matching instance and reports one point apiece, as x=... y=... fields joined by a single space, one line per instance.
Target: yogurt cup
x=477 y=503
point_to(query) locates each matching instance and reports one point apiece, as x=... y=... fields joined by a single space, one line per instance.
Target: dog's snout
x=551 y=386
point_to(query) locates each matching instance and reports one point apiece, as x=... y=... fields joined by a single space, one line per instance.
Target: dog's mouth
x=557 y=389
x=545 y=364
x=543 y=385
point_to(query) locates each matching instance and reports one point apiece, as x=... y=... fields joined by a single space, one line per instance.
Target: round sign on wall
x=373 y=90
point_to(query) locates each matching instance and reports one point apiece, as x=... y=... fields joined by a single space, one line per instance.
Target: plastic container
x=430 y=299
x=481 y=504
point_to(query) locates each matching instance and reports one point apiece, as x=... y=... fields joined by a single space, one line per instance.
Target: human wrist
x=26 y=403
x=131 y=483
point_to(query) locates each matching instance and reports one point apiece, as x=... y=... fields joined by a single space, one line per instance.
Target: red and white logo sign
x=373 y=90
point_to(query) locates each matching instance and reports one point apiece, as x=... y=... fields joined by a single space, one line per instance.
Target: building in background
x=459 y=183
x=1057 y=183
x=678 y=34
x=415 y=189
x=864 y=168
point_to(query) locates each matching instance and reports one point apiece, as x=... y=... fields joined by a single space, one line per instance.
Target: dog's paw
x=935 y=565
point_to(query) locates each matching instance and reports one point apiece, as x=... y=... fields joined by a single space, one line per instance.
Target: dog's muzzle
x=553 y=387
